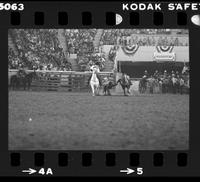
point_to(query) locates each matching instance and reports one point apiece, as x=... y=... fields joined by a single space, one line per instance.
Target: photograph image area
x=98 y=89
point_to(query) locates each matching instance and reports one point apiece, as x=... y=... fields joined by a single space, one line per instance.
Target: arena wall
x=145 y=53
x=64 y=80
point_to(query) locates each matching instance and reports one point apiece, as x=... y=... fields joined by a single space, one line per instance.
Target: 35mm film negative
x=99 y=88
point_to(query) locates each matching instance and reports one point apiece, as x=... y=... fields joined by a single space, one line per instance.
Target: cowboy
x=94 y=66
x=156 y=74
x=127 y=78
x=107 y=85
x=182 y=83
x=173 y=73
x=146 y=73
x=105 y=81
x=21 y=72
x=175 y=83
x=185 y=68
x=177 y=74
x=165 y=74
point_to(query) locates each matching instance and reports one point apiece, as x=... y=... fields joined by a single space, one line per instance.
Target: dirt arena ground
x=78 y=121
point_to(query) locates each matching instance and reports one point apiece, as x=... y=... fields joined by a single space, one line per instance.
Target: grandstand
x=77 y=49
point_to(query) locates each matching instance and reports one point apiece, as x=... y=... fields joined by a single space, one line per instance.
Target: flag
x=162 y=49
x=185 y=68
x=130 y=49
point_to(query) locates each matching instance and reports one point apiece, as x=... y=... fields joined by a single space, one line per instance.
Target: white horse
x=94 y=81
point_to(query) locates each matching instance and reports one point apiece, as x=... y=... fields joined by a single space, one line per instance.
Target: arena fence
x=62 y=80
x=71 y=81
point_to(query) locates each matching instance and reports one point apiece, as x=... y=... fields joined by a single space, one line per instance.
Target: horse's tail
x=115 y=84
x=99 y=78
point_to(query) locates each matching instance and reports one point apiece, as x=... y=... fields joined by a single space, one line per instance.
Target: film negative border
x=113 y=17
x=158 y=159
x=97 y=163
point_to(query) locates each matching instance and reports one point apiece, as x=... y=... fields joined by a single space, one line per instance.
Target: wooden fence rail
x=62 y=80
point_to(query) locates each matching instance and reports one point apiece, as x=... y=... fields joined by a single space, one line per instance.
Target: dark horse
x=22 y=79
x=29 y=78
x=107 y=87
x=125 y=84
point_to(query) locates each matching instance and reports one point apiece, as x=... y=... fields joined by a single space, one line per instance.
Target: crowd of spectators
x=80 y=41
x=88 y=60
x=168 y=73
x=172 y=81
x=144 y=37
x=112 y=53
x=41 y=48
x=37 y=49
x=13 y=60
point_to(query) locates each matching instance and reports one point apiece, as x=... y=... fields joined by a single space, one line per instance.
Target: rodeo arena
x=98 y=89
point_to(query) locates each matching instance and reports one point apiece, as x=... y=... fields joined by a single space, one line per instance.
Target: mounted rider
x=125 y=83
x=127 y=78
x=105 y=81
x=105 y=84
x=97 y=73
x=21 y=72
